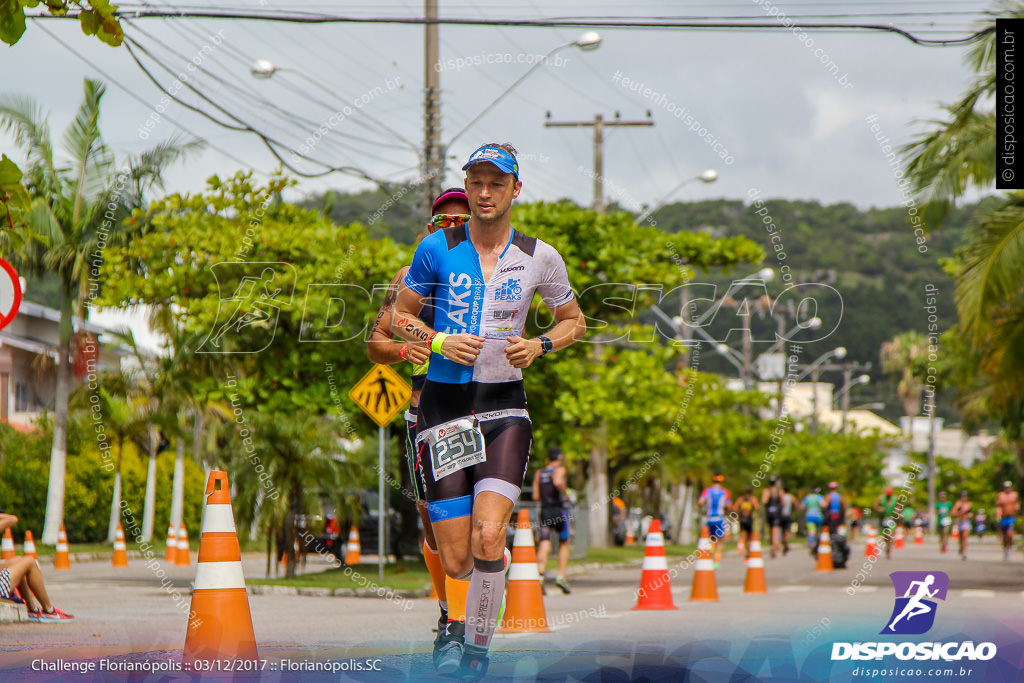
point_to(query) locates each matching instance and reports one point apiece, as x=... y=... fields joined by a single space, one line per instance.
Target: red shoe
x=55 y=615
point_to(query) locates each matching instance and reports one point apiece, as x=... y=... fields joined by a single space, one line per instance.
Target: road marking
x=977 y=593
x=609 y=591
x=792 y=589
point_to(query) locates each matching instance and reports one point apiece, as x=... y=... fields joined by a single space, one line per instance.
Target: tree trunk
x=149 y=508
x=597 y=489
x=115 y=508
x=178 y=487
x=289 y=533
x=270 y=545
x=58 y=450
x=686 y=519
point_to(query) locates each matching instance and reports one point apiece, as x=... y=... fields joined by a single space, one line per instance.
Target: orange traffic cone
x=62 y=561
x=30 y=545
x=705 y=588
x=825 y=553
x=871 y=549
x=524 y=611
x=918 y=535
x=352 y=555
x=7 y=546
x=171 y=552
x=120 y=549
x=899 y=537
x=630 y=535
x=956 y=531
x=655 y=590
x=182 y=558
x=755 y=582
x=220 y=623
x=741 y=548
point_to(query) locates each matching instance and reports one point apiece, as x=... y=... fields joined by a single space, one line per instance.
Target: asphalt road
x=130 y=615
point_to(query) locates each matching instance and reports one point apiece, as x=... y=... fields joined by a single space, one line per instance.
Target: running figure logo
x=510 y=291
x=914 y=612
x=248 y=317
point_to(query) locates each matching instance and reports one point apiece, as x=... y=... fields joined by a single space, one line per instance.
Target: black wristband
x=546 y=346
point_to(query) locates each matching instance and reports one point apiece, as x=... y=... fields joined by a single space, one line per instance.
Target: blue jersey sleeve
x=422 y=276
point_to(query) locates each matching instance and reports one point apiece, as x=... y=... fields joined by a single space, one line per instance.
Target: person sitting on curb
x=24 y=574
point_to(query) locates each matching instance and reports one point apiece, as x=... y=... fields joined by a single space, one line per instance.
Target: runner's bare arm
x=462 y=348
x=570 y=326
x=380 y=347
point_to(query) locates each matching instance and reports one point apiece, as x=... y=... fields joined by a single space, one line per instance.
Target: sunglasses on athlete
x=444 y=220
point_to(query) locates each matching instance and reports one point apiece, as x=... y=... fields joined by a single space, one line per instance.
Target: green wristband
x=435 y=343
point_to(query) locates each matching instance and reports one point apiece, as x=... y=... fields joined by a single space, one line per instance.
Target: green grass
x=404 y=575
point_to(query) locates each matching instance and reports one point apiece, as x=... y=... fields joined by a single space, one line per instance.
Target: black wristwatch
x=546 y=346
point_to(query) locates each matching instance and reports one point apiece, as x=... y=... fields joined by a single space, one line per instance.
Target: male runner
x=450 y=208
x=549 y=486
x=835 y=508
x=715 y=500
x=1007 y=509
x=812 y=505
x=943 y=508
x=745 y=508
x=962 y=518
x=474 y=433
x=788 y=503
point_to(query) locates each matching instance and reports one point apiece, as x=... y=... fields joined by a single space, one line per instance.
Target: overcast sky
x=788 y=126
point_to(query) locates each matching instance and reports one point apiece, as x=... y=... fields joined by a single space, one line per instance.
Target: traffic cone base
x=524 y=605
x=705 y=587
x=655 y=584
x=755 y=580
x=220 y=621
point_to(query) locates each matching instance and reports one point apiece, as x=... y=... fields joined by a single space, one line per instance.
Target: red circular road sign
x=10 y=293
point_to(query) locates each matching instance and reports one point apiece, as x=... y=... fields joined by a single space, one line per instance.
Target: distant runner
x=1007 y=509
x=944 y=518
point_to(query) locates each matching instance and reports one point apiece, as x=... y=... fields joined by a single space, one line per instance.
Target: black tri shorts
x=499 y=410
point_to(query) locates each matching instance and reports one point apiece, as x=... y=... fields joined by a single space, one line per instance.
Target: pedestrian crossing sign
x=382 y=394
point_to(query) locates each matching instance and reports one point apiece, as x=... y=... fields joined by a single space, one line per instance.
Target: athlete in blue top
x=715 y=500
x=474 y=433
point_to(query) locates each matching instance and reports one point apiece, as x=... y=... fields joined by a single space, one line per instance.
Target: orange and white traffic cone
x=120 y=549
x=705 y=588
x=871 y=549
x=30 y=545
x=171 y=552
x=956 y=532
x=352 y=555
x=182 y=558
x=755 y=581
x=741 y=548
x=7 y=546
x=630 y=535
x=63 y=560
x=825 y=553
x=655 y=588
x=524 y=606
x=918 y=535
x=220 y=622
x=900 y=543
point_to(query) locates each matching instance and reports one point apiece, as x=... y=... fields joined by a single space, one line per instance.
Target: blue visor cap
x=505 y=162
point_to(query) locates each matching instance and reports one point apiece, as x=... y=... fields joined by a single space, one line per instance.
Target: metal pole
x=598 y=163
x=931 y=469
x=431 y=105
x=814 y=401
x=847 y=372
x=380 y=505
x=748 y=347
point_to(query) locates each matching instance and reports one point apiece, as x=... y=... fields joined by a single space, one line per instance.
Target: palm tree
x=902 y=356
x=78 y=207
x=292 y=467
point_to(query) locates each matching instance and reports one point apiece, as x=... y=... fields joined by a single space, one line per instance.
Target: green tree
x=96 y=18
x=905 y=356
x=77 y=207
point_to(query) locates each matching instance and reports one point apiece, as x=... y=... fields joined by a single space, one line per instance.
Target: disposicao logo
x=913 y=614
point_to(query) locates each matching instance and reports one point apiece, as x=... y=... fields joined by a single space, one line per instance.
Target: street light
x=587 y=42
x=838 y=352
x=708 y=176
x=844 y=392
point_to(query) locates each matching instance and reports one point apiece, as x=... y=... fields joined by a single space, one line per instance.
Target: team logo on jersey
x=913 y=612
x=510 y=291
x=460 y=300
x=504 y=315
x=510 y=269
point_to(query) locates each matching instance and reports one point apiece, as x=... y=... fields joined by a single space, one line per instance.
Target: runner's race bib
x=453 y=446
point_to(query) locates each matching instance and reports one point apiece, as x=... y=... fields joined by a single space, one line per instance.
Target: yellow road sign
x=382 y=393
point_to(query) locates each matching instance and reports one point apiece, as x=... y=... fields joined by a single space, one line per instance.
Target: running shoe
x=442 y=625
x=34 y=616
x=563 y=584
x=55 y=615
x=448 y=657
x=474 y=663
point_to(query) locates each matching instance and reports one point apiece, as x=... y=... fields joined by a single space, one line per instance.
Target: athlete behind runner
x=812 y=505
x=835 y=508
x=474 y=433
x=714 y=501
x=450 y=208
x=962 y=518
x=1007 y=509
x=943 y=509
x=549 y=486
x=788 y=505
x=885 y=506
x=771 y=498
x=746 y=508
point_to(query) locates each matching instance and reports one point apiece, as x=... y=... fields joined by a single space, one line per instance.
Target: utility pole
x=847 y=369
x=431 y=105
x=599 y=125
